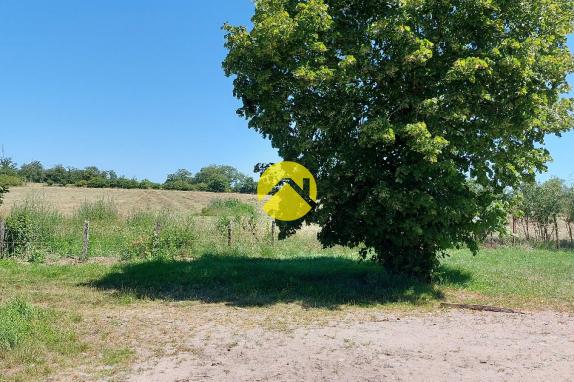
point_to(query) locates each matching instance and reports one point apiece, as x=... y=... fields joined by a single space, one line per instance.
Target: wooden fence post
x=273 y=232
x=229 y=234
x=86 y=238
x=2 y=235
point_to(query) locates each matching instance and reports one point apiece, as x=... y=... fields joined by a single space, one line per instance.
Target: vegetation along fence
x=34 y=232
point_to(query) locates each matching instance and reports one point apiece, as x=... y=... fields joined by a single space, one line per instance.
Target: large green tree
x=416 y=116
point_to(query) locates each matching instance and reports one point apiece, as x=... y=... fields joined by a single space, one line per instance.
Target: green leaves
x=420 y=140
x=413 y=100
x=466 y=69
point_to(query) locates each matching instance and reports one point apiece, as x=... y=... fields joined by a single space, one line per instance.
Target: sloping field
x=68 y=199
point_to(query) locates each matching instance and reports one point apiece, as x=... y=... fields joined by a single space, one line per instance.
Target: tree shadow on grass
x=326 y=282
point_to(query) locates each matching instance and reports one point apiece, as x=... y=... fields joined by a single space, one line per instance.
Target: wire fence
x=102 y=239
x=180 y=238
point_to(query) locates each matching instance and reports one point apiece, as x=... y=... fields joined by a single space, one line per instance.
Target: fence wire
x=157 y=240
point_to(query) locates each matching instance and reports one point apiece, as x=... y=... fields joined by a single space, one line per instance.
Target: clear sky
x=133 y=86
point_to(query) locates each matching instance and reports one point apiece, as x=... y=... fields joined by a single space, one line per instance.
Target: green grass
x=114 y=357
x=36 y=340
x=37 y=232
x=99 y=210
x=229 y=207
x=317 y=278
x=328 y=282
x=32 y=339
x=514 y=276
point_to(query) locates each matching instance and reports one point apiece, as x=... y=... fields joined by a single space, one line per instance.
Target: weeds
x=100 y=210
x=31 y=338
x=29 y=223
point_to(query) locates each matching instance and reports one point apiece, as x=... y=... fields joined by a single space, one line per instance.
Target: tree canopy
x=212 y=178
x=416 y=116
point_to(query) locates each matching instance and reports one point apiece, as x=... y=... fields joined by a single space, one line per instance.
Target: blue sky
x=134 y=86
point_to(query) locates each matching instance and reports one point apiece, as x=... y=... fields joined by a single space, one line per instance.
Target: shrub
x=11 y=181
x=98 y=183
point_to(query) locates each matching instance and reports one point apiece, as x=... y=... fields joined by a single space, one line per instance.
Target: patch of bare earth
x=196 y=341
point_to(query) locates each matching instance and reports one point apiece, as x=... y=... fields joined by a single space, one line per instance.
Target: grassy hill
x=68 y=199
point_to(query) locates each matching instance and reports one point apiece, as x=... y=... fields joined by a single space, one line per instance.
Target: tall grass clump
x=229 y=207
x=100 y=210
x=243 y=216
x=16 y=320
x=30 y=223
x=161 y=234
x=30 y=340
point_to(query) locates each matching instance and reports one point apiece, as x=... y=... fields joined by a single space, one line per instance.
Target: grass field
x=74 y=321
x=97 y=303
x=68 y=199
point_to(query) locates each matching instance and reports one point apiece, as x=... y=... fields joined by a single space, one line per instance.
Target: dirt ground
x=222 y=343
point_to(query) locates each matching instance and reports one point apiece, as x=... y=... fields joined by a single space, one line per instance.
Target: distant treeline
x=212 y=178
x=538 y=208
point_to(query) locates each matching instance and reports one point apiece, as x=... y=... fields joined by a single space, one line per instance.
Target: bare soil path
x=370 y=346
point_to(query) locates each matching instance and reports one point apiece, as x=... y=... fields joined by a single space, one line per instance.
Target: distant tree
x=147 y=184
x=57 y=175
x=182 y=180
x=217 y=184
x=245 y=185
x=216 y=178
x=213 y=178
x=569 y=212
x=529 y=199
x=8 y=167
x=97 y=182
x=414 y=116
x=9 y=173
x=219 y=178
x=180 y=175
x=32 y=172
x=550 y=204
x=91 y=172
x=110 y=175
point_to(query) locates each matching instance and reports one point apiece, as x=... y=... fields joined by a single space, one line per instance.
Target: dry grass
x=68 y=199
